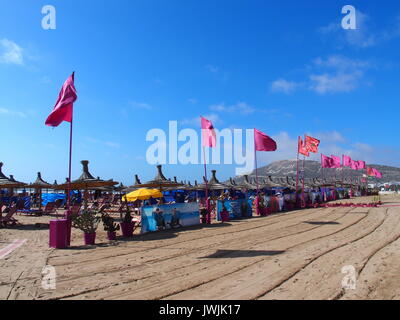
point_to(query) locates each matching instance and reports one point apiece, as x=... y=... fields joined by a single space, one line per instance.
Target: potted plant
x=127 y=226
x=88 y=222
x=110 y=226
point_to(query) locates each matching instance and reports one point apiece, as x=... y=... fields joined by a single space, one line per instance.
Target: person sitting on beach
x=175 y=219
x=159 y=217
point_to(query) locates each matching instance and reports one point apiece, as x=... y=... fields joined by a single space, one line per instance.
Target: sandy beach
x=295 y=255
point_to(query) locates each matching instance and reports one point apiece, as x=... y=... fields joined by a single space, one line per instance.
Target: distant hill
x=285 y=168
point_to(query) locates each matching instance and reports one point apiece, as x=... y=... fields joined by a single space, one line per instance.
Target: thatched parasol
x=39 y=185
x=214 y=183
x=86 y=182
x=9 y=183
x=159 y=182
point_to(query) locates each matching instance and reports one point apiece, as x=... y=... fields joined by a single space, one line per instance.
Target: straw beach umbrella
x=160 y=182
x=86 y=182
x=214 y=183
x=39 y=185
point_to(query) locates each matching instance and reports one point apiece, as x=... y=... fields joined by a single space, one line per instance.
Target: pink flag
x=336 y=162
x=354 y=165
x=208 y=133
x=63 y=109
x=262 y=142
x=346 y=161
x=362 y=165
x=326 y=162
x=377 y=173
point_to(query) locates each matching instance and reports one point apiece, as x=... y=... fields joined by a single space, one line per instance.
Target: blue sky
x=284 y=67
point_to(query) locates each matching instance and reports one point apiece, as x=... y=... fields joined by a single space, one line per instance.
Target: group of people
x=158 y=215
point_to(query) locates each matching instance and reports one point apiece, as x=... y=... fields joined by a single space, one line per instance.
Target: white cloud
x=282 y=85
x=363 y=36
x=240 y=107
x=212 y=69
x=342 y=63
x=109 y=144
x=331 y=75
x=332 y=136
x=4 y=111
x=141 y=105
x=326 y=83
x=112 y=144
x=192 y=100
x=195 y=122
x=10 y=52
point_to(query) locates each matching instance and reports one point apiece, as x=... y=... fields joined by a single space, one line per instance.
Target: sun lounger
x=8 y=219
x=50 y=209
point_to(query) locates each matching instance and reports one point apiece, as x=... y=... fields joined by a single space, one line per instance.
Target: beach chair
x=138 y=221
x=58 y=203
x=50 y=208
x=8 y=219
x=103 y=208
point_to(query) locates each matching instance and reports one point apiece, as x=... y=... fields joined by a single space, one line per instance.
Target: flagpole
x=70 y=163
x=322 y=168
x=206 y=182
x=297 y=171
x=255 y=158
x=304 y=176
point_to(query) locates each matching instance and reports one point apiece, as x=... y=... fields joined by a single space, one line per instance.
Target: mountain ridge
x=313 y=169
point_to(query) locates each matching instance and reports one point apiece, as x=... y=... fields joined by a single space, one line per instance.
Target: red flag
x=208 y=133
x=302 y=148
x=370 y=172
x=377 y=173
x=63 y=109
x=312 y=144
x=262 y=142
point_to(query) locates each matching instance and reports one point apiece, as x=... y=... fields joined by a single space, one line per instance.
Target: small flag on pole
x=63 y=110
x=263 y=142
x=346 y=161
x=302 y=148
x=312 y=144
x=208 y=133
x=336 y=162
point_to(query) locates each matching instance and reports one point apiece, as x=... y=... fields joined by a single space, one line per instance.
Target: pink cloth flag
x=346 y=161
x=354 y=165
x=362 y=165
x=208 y=133
x=63 y=109
x=262 y=142
x=377 y=173
x=336 y=162
x=326 y=162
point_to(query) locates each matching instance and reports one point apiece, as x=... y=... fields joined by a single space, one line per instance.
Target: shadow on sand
x=322 y=223
x=242 y=253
